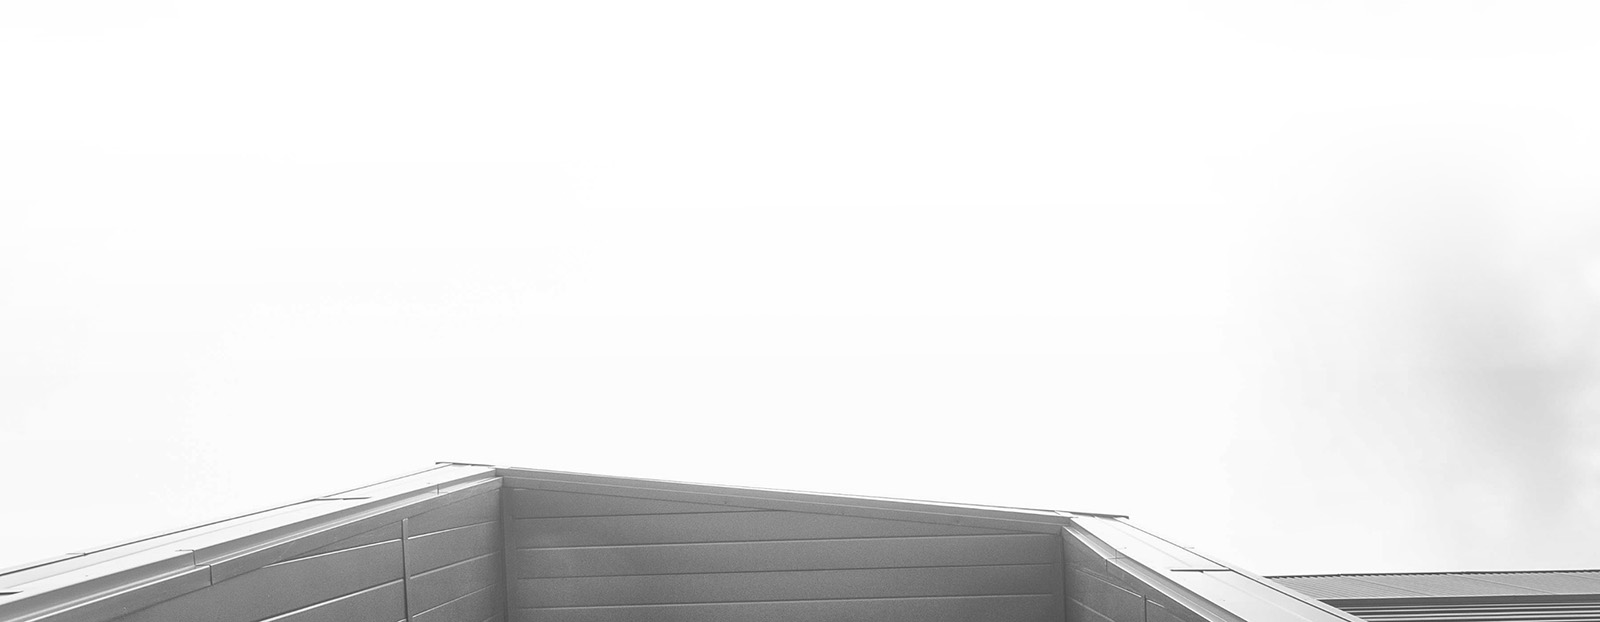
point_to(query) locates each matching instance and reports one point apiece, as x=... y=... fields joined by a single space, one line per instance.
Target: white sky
x=1310 y=286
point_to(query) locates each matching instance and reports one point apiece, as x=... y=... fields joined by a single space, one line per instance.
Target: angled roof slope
x=1517 y=596
x=1445 y=584
x=477 y=543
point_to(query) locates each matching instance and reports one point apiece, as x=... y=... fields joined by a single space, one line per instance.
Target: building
x=476 y=543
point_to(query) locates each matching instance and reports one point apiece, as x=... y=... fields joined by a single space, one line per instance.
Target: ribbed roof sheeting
x=1551 y=582
x=1366 y=586
x=1586 y=611
x=1343 y=587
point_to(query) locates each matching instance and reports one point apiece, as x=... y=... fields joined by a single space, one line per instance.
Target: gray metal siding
x=846 y=553
x=390 y=531
x=529 y=503
x=287 y=587
x=957 y=609
x=440 y=565
x=716 y=527
x=795 y=585
x=380 y=604
x=454 y=562
x=431 y=588
x=442 y=548
x=482 y=604
x=579 y=557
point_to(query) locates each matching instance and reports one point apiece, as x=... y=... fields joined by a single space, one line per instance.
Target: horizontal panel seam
x=797 y=600
x=309 y=557
x=431 y=533
x=309 y=554
x=453 y=564
x=466 y=595
x=860 y=569
x=335 y=599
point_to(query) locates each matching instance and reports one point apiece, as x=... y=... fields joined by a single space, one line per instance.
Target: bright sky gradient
x=1312 y=287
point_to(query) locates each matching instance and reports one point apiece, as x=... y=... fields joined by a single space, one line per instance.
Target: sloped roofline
x=1428 y=573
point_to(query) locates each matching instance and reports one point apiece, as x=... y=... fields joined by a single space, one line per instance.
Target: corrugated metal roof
x=1344 y=587
x=1450 y=585
x=1527 y=596
x=1444 y=584
x=1549 y=582
x=1490 y=611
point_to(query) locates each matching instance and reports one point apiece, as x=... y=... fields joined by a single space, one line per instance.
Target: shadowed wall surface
x=582 y=557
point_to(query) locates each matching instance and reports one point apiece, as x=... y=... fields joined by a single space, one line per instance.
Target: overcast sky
x=1310 y=286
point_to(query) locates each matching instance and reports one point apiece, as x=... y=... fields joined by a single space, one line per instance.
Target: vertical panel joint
x=405 y=568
